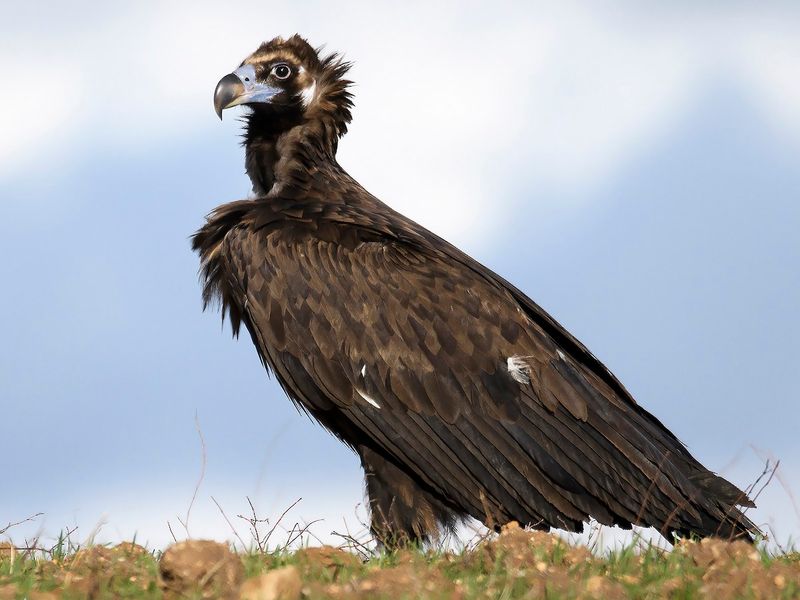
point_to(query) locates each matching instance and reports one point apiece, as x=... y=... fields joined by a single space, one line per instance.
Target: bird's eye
x=281 y=71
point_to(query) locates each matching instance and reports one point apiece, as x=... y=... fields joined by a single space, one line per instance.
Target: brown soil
x=515 y=564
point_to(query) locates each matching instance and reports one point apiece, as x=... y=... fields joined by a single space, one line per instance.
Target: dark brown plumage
x=461 y=396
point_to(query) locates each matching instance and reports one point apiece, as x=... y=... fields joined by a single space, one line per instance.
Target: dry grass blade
x=228 y=521
x=172 y=533
x=262 y=542
x=353 y=545
x=26 y=520
x=185 y=520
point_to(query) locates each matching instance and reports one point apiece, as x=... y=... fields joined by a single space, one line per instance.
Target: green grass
x=516 y=564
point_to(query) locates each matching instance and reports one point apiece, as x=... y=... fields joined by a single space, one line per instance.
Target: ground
x=515 y=564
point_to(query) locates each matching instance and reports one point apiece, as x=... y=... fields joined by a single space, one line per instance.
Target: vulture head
x=287 y=84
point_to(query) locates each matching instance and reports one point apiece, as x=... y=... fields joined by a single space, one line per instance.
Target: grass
x=515 y=564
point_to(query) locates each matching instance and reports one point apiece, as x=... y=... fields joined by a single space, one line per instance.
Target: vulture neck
x=280 y=159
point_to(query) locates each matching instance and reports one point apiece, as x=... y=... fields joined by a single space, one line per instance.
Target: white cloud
x=36 y=110
x=456 y=100
x=772 y=64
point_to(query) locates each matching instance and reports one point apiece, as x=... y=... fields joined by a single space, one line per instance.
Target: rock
x=509 y=527
x=280 y=584
x=199 y=568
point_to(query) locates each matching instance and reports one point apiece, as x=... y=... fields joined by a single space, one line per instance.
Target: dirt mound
x=12 y=592
x=402 y=581
x=279 y=584
x=326 y=562
x=728 y=568
x=518 y=548
x=200 y=569
x=95 y=570
x=516 y=563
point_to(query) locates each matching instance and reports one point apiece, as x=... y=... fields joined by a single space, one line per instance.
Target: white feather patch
x=519 y=369
x=367 y=398
x=307 y=95
x=561 y=355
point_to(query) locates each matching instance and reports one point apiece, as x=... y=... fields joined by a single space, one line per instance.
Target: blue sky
x=636 y=172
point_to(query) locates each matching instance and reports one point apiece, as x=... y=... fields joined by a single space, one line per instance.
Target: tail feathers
x=721 y=489
x=721 y=516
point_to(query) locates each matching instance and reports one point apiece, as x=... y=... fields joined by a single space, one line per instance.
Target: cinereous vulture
x=461 y=396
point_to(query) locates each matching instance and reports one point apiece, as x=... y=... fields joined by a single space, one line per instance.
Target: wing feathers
x=345 y=303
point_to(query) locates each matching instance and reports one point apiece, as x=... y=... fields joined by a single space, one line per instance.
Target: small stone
x=510 y=526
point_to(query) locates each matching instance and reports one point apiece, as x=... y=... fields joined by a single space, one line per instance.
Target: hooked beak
x=241 y=87
x=229 y=89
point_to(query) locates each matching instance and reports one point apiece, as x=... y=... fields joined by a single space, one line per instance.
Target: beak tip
x=228 y=90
